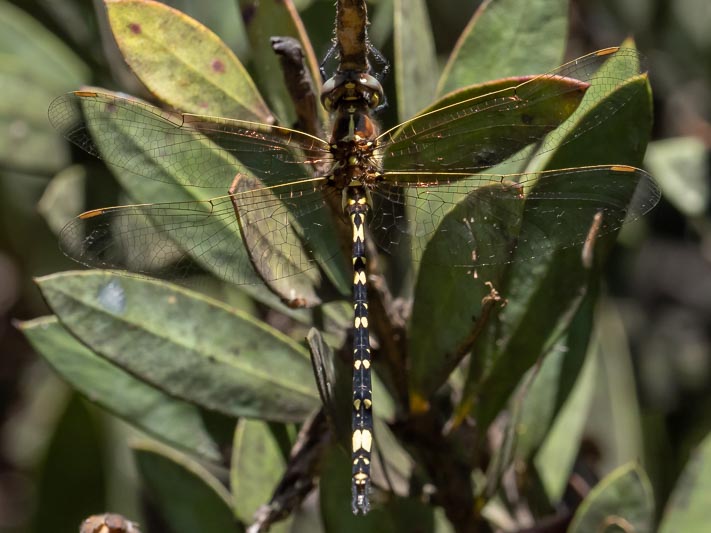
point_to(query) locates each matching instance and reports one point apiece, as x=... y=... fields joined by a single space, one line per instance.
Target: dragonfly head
x=351 y=88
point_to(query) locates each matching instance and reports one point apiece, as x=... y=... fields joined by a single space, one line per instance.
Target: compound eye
x=374 y=100
x=373 y=87
x=326 y=92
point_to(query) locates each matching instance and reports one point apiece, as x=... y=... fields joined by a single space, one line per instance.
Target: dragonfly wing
x=491 y=219
x=478 y=214
x=183 y=149
x=176 y=239
x=569 y=207
x=478 y=133
x=286 y=231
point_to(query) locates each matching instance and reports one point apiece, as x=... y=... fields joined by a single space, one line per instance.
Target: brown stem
x=299 y=84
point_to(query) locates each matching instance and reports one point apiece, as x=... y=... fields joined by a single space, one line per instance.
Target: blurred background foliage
x=655 y=335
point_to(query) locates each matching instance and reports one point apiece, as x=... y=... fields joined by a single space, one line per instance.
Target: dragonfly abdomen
x=362 y=438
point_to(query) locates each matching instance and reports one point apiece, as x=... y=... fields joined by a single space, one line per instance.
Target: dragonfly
x=273 y=218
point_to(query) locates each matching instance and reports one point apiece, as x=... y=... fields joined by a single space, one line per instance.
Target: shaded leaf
x=256 y=469
x=333 y=381
x=558 y=376
x=688 y=507
x=185 y=344
x=543 y=401
x=73 y=465
x=38 y=52
x=189 y=497
x=622 y=501
x=265 y=19
x=63 y=197
x=26 y=141
x=616 y=427
x=557 y=453
x=173 y=421
x=681 y=166
x=414 y=72
x=507 y=38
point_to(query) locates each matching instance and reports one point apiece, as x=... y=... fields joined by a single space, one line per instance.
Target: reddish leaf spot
x=218 y=66
x=135 y=28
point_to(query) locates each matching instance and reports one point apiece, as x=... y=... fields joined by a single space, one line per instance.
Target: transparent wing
x=173 y=240
x=482 y=131
x=181 y=148
x=489 y=219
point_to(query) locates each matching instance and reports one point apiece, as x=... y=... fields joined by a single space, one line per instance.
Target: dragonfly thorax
x=351 y=96
x=352 y=145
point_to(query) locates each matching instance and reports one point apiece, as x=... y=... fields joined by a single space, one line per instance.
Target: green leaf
x=543 y=286
x=39 y=53
x=173 y=421
x=189 y=497
x=265 y=19
x=257 y=467
x=571 y=92
x=688 y=507
x=558 y=376
x=547 y=410
x=185 y=344
x=544 y=292
x=556 y=456
x=507 y=38
x=680 y=164
x=451 y=308
x=381 y=23
x=184 y=63
x=333 y=379
x=414 y=72
x=616 y=427
x=625 y=121
x=484 y=130
x=27 y=142
x=63 y=197
x=73 y=465
x=622 y=501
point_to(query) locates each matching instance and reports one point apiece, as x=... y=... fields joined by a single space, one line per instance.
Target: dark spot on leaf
x=248 y=13
x=218 y=66
x=135 y=28
x=527 y=119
